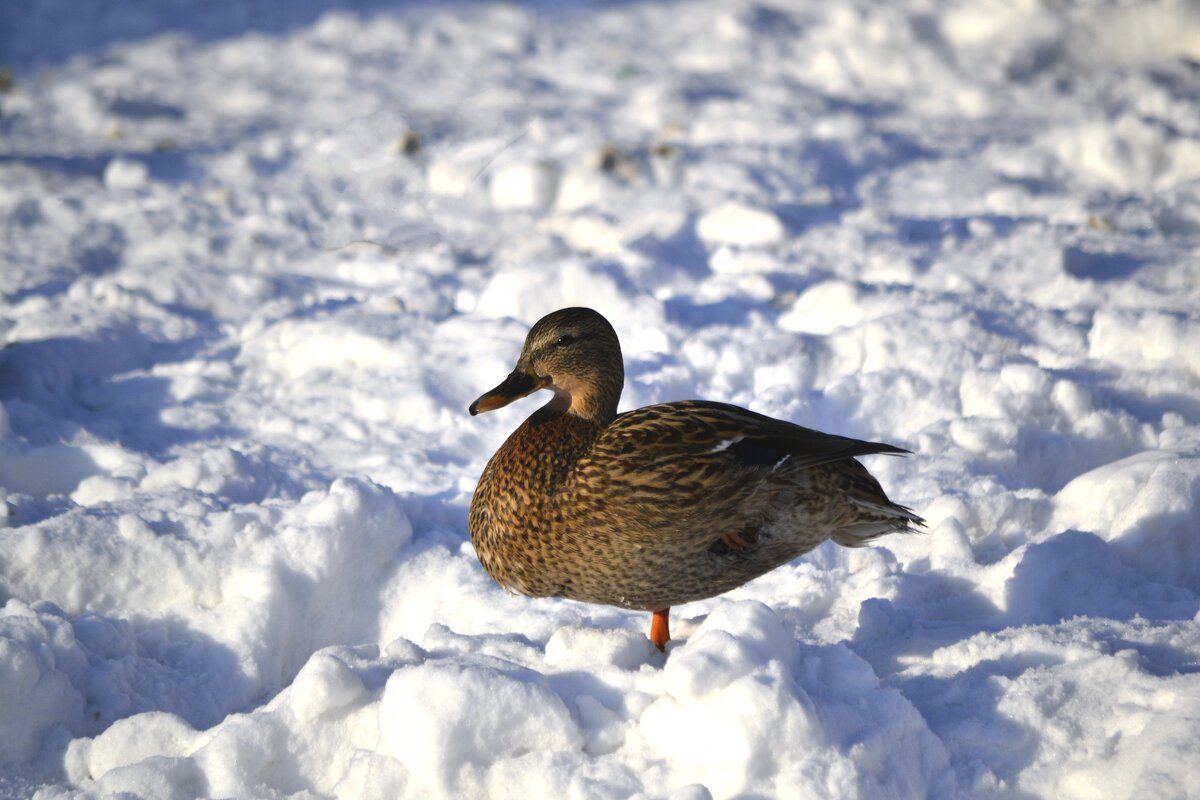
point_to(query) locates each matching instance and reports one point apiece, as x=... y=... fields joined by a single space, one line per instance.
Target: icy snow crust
x=245 y=314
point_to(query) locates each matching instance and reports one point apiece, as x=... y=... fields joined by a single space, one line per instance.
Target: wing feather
x=696 y=427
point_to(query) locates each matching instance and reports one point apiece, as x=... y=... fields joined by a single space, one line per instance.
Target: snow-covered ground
x=256 y=261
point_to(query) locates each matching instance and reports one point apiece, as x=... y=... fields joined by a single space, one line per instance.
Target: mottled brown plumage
x=662 y=505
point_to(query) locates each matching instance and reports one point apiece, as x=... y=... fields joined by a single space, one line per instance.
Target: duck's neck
x=592 y=397
x=595 y=407
x=572 y=425
x=581 y=405
x=541 y=452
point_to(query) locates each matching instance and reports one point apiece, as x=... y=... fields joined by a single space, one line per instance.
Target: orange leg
x=660 y=632
x=734 y=541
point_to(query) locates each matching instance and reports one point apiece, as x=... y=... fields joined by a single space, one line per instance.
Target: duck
x=662 y=505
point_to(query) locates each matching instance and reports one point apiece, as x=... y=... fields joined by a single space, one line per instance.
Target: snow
x=124 y=173
x=740 y=225
x=256 y=261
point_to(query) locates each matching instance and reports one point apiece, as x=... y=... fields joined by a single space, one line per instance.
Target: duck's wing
x=719 y=433
x=694 y=472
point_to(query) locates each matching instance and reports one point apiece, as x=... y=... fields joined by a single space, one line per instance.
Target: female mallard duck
x=663 y=505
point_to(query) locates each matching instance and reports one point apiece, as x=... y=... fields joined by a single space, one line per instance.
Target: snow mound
x=740 y=225
x=1144 y=506
x=734 y=707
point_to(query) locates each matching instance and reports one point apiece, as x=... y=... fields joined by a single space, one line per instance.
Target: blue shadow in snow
x=167 y=166
x=37 y=34
x=1085 y=264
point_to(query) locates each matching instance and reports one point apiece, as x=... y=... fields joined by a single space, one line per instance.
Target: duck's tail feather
x=890 y=518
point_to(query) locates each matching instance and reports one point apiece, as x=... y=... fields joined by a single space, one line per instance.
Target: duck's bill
x=517 y=385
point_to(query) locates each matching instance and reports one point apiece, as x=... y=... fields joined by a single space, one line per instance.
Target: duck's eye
x=564 y=340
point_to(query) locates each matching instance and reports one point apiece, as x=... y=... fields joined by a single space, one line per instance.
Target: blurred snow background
x=257 y=258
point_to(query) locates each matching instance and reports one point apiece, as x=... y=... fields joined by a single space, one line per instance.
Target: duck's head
x=575 y=353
